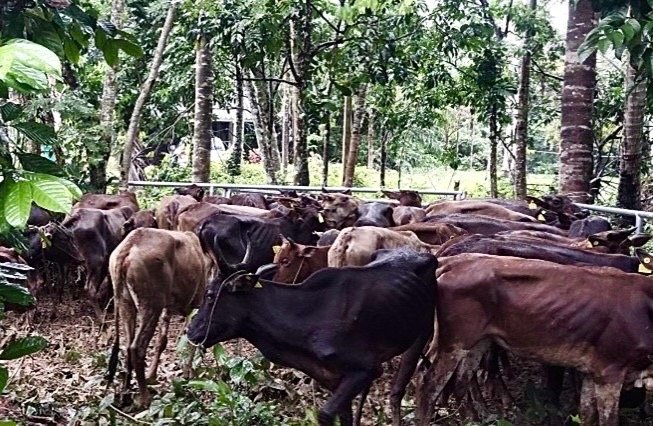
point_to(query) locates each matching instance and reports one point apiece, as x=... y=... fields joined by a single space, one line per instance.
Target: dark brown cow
x=374 y=214
x=432 y=233
x=327 y=237
x=250 y=200
x=95 y=234
x=193 y=191
x=405 y=197
x=140 y=219
x=475 y=224
x=403 y=215
x=214 y=199
x=168 y=211
x=108 y=202
x=155 y=273
x=296 y=262
x=518 y=206
x=596 y=320
x=479 y=208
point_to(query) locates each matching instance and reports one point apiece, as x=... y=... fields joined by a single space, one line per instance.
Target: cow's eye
x=285 y=261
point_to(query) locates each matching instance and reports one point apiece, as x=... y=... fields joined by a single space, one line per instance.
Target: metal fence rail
x=638 y=214
x=229 y=188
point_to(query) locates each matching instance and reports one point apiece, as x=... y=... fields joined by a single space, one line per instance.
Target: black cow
x=229 y=238
x=374 y=214
x=338 y=326
x=589 y=226
x=328 y=237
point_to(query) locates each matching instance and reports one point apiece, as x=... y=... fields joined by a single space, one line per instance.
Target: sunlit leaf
x=38 y=132
x=49 y=193
x=23 y=347
x=15 y=293
x=18 y=203
x=25 y=65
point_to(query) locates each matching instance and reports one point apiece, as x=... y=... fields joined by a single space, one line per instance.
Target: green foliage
x=26 y=66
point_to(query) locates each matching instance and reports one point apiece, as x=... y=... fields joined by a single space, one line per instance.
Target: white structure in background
x=224 y=125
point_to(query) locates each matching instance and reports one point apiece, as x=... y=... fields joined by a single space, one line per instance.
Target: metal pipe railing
x=638 y=214
x=228 y=188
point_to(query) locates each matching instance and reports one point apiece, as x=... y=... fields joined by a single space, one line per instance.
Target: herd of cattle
x=335 y=287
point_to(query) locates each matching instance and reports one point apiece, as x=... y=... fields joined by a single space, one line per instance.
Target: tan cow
x=355 y=246
x=155 y=273
x=295 y=262
x=481 y=208
x=169 y=208
x=108 y=202
x=432 y=233
x=403 y=215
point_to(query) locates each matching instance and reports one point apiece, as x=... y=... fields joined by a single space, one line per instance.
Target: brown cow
x=594 y=319
x=480 y=208
x=432 y=233
x=140 y=219
x=108 y=202
x=194 y=214
x=155 y=273
x=403 y=215
x=250 y=200
x=355 y=246
x=339 y=210
x=405 y=197
x=169 y=208
x=295 y=262
x=192 y=191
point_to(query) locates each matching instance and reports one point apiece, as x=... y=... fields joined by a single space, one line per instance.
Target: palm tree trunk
x=521 y=127
x=203 y=108
x=326 y=141
x=628 y=194
x=146 y=89
x=576 y=163
x=492 y=160
x=346 y=132
x=286 y=118
x=356 y=124
x=233 y=166
x=370 y=139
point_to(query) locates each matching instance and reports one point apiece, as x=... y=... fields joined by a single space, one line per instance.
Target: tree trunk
x=263 y=126
x=630 y=153
x=286 y=117
x=370 y=139
x=146 y=89
x=98 y=158
x=354 y=143
x=233 y=166
x=300 y=137
x=384 y=154
x=203 y=111
x=492 y=160
x=521 y=127
x=346 y=132
x=577 y=106
x=326 y=141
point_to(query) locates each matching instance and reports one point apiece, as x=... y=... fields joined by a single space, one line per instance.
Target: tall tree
x=146 y=89
x=346 y=131
x=576 y=162
x=203 y=133
x=630 y=154
x=370 y=138
x=354 y=143
x=521 y=126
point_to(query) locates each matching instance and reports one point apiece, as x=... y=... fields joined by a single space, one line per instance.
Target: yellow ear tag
x=276 y=249
x=320 y=218
x=643 y=269
x=258 y=285
x=532 y=205
x=541 y=218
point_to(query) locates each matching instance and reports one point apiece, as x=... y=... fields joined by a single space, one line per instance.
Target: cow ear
x=620 y=235
x=639 y=240
x=128 y=226
x=391 y=194
x=309 y=251
x=346 y=192
x=645 y=260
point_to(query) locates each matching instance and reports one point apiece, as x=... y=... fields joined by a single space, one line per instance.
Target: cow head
x=295 y=262
x=327 y=238
x=339 y=210
x=140 y=219
x=618 y=241
x=193 y=190
x=645 y=260
x=224 y=309
x=53 y=242
x=405 y=197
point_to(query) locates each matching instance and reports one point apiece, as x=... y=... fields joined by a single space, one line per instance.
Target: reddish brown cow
x=108 y=202
x=194 y=214
x=155 y=273
x=594 y=319
x=480 y=208
x=405 y=197
x=403 y=215
x=250 y=200
x=432 y=233
x=169 y=208
x=193 y=191
x=296 y=262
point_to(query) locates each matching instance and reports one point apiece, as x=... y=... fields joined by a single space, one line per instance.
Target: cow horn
x=248 y=252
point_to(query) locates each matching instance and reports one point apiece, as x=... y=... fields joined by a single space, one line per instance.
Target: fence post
x=639 y=224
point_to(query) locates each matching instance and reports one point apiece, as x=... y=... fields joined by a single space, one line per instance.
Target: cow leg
x=553 y=380
x=607 y=400
x=588 y=411
x=403 y=375
x=340 y=403
x=161 y=346
x=433 y=382
x=128 y=314
x=148 y=318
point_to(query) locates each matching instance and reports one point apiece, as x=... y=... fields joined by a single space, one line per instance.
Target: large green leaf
x=18 y=203
x=10 y=111
x=110 y=51
x=25 y=65
x=48 y=192
x=15 y=293
x=4 y=377
x=38 y=132
x=74 y=189
x=39 y=164
x=23 y=347
x=132 y=49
